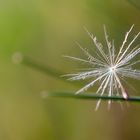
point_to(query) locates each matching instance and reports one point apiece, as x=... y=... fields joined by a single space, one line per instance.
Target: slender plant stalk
x=91 y=96
x=57 y=74
x=134 y=4
x=47 y=70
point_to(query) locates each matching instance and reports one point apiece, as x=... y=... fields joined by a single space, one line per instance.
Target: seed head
x=108 y=66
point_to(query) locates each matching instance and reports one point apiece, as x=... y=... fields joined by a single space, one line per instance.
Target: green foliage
x=44 y=31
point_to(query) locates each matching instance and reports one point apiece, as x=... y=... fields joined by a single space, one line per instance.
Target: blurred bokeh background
x=44 y=31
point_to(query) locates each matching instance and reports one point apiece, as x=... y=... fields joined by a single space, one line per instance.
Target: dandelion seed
x=108 y=66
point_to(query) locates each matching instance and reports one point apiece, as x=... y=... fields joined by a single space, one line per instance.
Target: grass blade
x=90 y=96
x=47 y=70
x=135 y=4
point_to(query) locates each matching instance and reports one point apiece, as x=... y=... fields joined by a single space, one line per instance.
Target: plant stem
x=57 y=74
x=88 y=96
x=136 y=5
x=47 y=70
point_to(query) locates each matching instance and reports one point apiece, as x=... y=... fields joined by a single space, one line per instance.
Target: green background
x=45 y=30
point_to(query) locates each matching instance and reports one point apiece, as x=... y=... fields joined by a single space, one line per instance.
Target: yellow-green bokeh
x=45 y=30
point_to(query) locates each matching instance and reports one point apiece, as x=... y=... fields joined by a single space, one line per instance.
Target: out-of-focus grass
x=46 y=30
x=59 y=75
x=135 y=3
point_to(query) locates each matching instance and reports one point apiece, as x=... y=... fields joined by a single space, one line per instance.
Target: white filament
x=108 y=66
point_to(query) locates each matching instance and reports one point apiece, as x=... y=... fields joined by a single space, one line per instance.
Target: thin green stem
x=91 y=96
x=46 y=70
x=136 y=5
x=57 y=74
